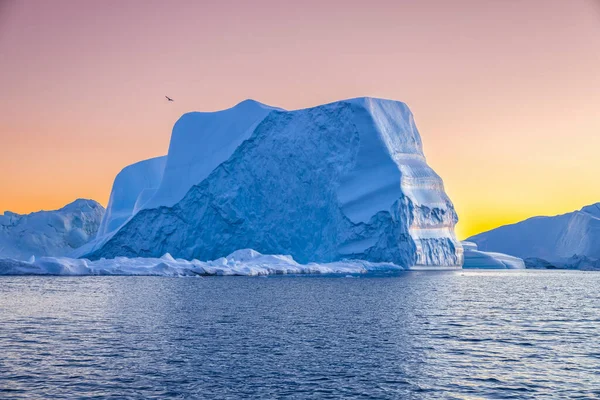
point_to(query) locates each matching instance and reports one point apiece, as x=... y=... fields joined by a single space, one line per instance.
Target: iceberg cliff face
x=548 y=238
x=476 y=259
x=49 y=233
x=244 y=262
x=201 y=141
x=342 y=180
x=132 y=188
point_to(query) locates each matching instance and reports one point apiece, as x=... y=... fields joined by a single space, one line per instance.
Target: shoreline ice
x=244 y=262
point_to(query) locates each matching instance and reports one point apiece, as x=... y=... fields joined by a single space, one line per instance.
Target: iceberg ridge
x=49 y=233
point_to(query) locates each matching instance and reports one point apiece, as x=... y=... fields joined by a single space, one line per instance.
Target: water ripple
x=455 y=335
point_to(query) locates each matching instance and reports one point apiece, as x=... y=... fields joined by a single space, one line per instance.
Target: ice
x=574 y=262
x=475 y=259
x=343 y=180
x=469 y=246
x=132 y=188
x=200 y=142
x=554 y=238
x=49 y=233
x=488 y=260
x=245 y=262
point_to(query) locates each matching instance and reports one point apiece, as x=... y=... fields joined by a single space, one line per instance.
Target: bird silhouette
x=168 y=98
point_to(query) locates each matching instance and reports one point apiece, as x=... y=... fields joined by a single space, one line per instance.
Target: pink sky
x=506 y=94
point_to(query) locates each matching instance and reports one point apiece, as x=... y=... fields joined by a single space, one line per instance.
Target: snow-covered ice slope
x=241 y=262
x=549 y=238
x=476 y=259
x=132 y=188
x=200 y=141
x=342 y=180
x=49 y=233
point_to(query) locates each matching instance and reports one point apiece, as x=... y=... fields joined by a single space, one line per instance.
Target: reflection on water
x=465 y=334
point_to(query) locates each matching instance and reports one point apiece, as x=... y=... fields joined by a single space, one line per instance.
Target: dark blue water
x=466 y=334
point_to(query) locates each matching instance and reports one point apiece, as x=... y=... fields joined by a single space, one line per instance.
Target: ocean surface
x=415 y=335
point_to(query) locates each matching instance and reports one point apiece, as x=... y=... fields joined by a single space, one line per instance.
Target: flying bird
x=168 y=98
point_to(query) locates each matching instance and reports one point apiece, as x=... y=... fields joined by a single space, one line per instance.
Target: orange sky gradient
x=506 y=94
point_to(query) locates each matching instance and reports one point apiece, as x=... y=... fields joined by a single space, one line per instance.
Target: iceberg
x=476 y=259
x=245 y=262
x=554 y=238
x=582 y=263
x=49 y=233
x=199 y=143
x=346 y=180
x=133 y=187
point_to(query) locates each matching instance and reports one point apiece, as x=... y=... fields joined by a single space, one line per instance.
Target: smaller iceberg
x=49 y=233
x=475 y=259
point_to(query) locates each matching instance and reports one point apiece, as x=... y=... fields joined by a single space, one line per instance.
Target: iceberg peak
x=49 y=233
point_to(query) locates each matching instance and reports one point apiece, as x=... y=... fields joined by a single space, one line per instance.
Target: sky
x=505 y=93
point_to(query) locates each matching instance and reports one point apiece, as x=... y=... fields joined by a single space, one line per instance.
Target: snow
x=554 y=238
x=343 y=180
x=487 y=260
x=199 y=143
x=469 y=246
x=476 y=259
x=244 y=262
x=132 y=188
x=49 y=233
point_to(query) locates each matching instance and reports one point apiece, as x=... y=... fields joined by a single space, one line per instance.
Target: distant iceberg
x=476 y=259
x=133 y=187
x=555 y=239
x=49 y=233
x=199 y=143
x=346 y=180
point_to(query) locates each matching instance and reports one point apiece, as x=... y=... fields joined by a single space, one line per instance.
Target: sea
x=519 y=334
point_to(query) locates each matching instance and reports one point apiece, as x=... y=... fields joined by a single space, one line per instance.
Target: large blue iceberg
x=346 y=180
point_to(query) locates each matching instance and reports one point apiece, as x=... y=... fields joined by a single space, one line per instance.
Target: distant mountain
x=49 y=233
x=555 y=238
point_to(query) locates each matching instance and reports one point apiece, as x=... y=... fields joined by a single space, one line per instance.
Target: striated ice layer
x=242 y=262
x=346 y=180
x=49 y=233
